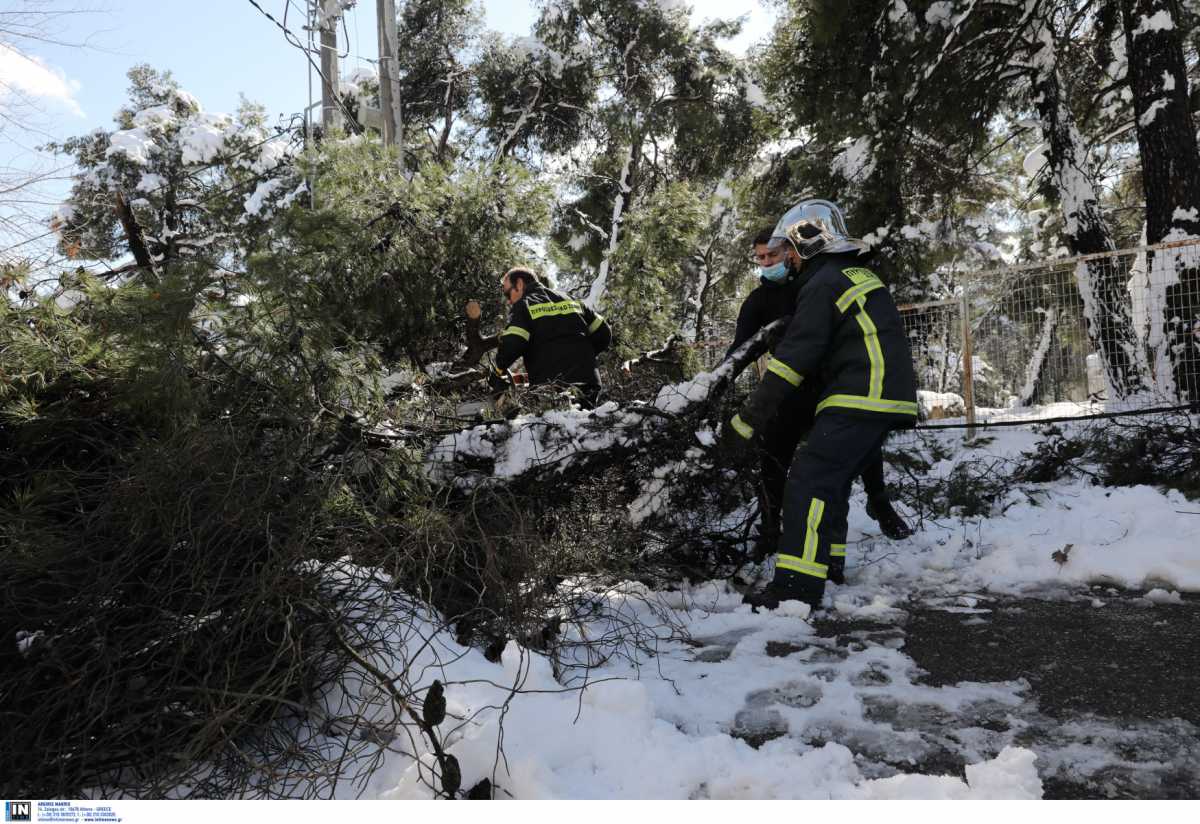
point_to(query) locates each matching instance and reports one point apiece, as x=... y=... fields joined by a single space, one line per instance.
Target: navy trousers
x=817 y=499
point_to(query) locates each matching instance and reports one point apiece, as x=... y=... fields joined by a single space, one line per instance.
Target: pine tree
x=620 y=99
x=1170 y=167
x=173 y=181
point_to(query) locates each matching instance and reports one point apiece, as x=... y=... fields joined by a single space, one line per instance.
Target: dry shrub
x=165 y=613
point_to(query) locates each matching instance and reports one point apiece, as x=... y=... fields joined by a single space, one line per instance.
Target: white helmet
x=815 y=227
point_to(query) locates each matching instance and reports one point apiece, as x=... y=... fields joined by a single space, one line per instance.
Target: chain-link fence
x=1118 y=331
x=1091 y=334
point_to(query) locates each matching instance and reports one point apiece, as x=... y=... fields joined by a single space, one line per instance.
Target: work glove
x=499 y=381
x=735 y=442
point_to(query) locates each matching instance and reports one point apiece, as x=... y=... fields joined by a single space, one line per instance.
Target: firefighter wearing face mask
x=846 y=336
x=775 y=298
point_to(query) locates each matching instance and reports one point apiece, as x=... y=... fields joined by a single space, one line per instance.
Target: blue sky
x=221 y=48
x=217 y=50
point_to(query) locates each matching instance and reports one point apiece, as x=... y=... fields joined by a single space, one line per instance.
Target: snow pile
x=759 y=705
x=135 y=144
x=677 y=397
x=1010 y=776
x=203 y=137
x=678 y=729
x=940 y=14
x=271 y=154
x=1152 y=111
x=653 y=493
x=856 y=161
x=529 y=441
x=1069 y=532
x=560 y=437
x=1161 y=20
x=154 y=117
x=1161 y=596
x=255 y=200
x=151 y=182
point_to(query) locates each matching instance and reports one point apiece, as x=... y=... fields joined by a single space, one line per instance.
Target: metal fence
x=1118 y=331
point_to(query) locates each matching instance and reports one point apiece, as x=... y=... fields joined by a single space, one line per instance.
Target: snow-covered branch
x=530 y=445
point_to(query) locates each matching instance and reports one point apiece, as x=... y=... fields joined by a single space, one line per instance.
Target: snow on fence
x=1118 y=331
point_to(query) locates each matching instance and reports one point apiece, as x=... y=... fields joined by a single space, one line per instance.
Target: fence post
x=968 y=362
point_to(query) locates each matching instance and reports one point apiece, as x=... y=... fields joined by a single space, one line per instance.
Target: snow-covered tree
x=1170 y=173
x=627 y=97
x=172 y=180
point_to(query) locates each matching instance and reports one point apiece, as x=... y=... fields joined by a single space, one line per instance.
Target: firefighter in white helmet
x=846 y=334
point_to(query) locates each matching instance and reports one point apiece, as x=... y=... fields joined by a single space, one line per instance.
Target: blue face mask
x=774 y=273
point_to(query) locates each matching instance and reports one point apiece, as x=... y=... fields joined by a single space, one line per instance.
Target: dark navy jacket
x=557 y=336
x=845 y=333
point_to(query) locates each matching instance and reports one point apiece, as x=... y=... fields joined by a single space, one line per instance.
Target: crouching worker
x=846 y=335
x=558 y=337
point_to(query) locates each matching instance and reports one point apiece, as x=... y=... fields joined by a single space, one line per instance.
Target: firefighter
x=772 y=299
x=558 y=336
x=846 y=335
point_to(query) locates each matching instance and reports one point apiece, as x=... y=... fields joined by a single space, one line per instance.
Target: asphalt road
x=1113 y=707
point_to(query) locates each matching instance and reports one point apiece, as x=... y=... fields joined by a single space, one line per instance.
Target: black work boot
x=787 y=586
x=837 y=571
x=890 y=523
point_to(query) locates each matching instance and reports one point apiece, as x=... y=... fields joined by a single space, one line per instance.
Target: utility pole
x=389 y=77
x=328 y=12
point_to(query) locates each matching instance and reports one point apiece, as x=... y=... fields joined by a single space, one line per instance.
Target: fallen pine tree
x=573 y=441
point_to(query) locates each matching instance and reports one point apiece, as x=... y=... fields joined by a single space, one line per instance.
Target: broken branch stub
x=477 y=344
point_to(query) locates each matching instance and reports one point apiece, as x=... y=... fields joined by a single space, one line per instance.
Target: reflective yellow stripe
x=516 y=330
x=855 y=292
x=859 y=275
x=794 y=564
x=815 y=511
x=837 y=550
x=874 y=350
x=562 y=307
x=741 y=427
x=784 y=371
x=869 y=404
x=596 y=324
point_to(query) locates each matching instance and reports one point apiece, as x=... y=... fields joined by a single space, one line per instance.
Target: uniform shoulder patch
x=859 y=275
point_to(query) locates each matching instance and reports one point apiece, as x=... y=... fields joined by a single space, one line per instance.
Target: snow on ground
x=721 y=702
x=1129 y=536
x=660 y=727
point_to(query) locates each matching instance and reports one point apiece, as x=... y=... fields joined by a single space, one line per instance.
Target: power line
x=291 y=38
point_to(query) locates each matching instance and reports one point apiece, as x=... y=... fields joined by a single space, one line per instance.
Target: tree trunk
x=620 y=204
x=1101 y=285
x=1037 y=363
x=133 y=235
x=695 y=287
x=1170 y=174
x=567 y=445
x=1165 y=132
